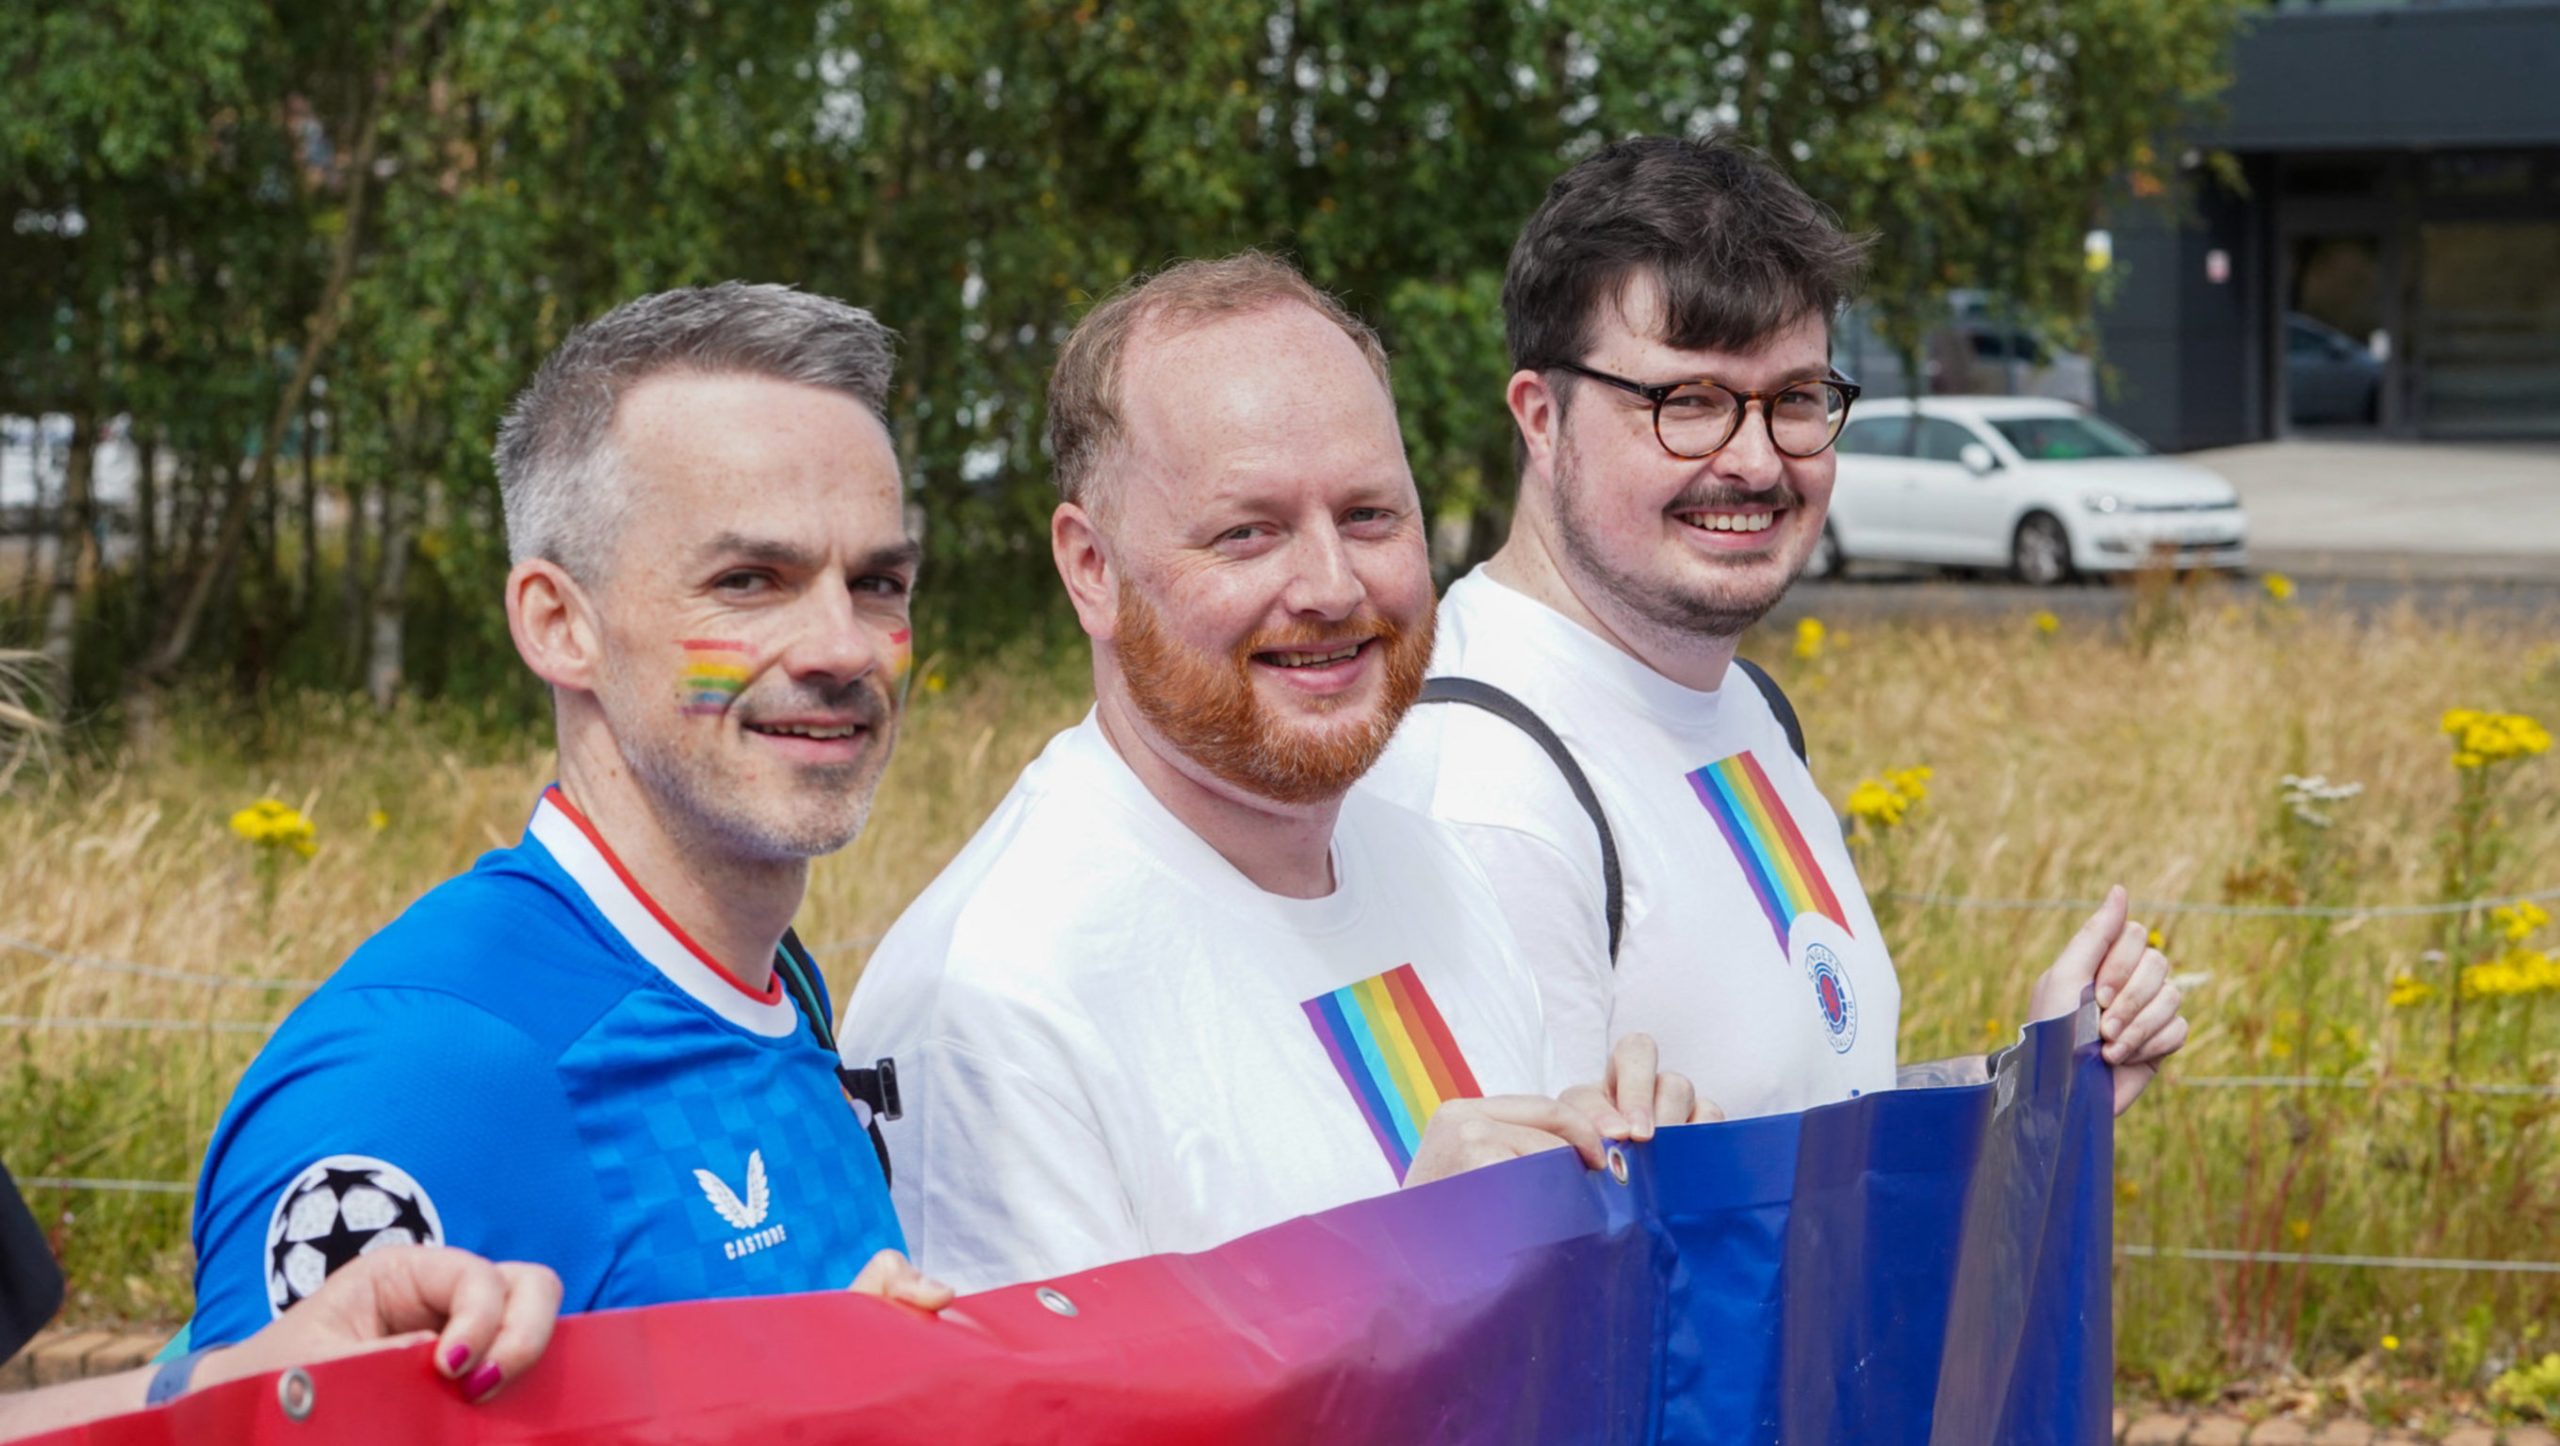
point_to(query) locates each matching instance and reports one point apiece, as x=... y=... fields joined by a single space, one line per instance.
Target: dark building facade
x=2389 y=257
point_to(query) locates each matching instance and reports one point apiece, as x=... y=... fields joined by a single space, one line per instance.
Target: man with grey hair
x=602 y=1050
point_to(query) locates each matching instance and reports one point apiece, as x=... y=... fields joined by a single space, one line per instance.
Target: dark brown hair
x=1739 y=250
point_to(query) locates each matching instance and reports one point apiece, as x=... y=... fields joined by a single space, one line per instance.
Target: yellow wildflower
x=2517 y=971
x=1873 y=803
x=2280 y=1048
x=1809 y=639
x=2045 y=622
x=2300 y=1230
x=2279 y=587
x=2408 y=989
x=2481 y=738
x=273 y=824
x=2518 y=920
x=1885 y=802
x=2126 y=1190
x=2391 y=1343
x=2159 y=941
x=933 y=683
x=377 y=820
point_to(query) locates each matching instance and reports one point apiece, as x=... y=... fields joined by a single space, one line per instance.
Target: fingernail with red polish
x=482 y=1382
x=456 y=1357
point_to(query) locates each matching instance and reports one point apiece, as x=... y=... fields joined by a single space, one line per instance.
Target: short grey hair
x=556 y=468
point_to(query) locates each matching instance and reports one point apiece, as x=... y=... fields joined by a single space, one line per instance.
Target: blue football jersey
x=535 y=1063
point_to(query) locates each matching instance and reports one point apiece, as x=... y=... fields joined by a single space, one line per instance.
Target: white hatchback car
x=2037 y=486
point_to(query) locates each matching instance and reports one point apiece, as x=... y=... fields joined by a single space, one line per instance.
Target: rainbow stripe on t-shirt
x=1395 y=1052
x=1783 y=873
x=715 y=671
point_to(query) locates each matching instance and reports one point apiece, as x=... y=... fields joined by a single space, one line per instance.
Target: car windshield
x=2067 y=439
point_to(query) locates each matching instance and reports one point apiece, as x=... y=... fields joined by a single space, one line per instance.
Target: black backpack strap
x=876 y=1087
x=30 y=1281
x=1520 y=715
x=1778 y=703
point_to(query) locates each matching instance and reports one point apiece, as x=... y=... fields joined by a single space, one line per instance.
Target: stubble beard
x=1723 y=610
x=1206 y=707
x=826 y=804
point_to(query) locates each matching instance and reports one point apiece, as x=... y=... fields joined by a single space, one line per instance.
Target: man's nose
x=1751 y=458
x=831 y=641
x=1325 y=583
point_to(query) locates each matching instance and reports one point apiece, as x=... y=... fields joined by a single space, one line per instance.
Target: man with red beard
x=1180 y=986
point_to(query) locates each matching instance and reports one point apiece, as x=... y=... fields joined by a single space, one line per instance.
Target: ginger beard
x=1205 y=705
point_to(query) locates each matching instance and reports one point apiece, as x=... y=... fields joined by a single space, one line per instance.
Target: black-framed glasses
x=1697 y=419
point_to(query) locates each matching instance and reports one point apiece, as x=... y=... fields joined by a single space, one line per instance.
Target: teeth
x=1313 y=660
x=1729 y=521
x=791 y=732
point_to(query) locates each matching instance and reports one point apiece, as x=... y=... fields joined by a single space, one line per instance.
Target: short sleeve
x=387 y=1116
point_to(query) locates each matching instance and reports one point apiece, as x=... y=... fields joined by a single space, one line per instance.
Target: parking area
x=2351 y=507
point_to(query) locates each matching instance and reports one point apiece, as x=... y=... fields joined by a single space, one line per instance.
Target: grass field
x=2061 y=760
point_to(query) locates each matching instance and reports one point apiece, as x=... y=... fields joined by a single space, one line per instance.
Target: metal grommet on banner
x=296 y=1394
x=1617 y=1164
x=1055 y=1300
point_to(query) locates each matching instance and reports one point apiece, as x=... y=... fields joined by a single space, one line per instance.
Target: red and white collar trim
x=583 y=854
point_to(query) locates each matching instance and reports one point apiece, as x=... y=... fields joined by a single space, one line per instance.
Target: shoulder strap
x=1493 y=700
x=1778 y=703
x=875 y=1088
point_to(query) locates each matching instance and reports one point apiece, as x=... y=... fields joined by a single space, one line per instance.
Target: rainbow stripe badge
x=714 y=674
x=1782 y=871
x=1395 y=1053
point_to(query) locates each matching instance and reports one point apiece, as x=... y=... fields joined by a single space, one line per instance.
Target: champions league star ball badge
x=336 y=1210
x=1831 y=993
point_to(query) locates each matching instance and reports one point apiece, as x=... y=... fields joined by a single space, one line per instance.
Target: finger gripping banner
x=1921 y=1266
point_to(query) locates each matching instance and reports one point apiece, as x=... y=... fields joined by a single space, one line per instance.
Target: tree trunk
x=382 y=668
x=354 y=569
x=41 y=520
x=306 y=593
x=146 y=526
x=71 y=547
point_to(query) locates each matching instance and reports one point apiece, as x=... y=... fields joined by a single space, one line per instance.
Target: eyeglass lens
x=1699 y=418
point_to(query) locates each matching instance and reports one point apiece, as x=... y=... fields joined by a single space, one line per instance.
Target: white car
x=2040 y=487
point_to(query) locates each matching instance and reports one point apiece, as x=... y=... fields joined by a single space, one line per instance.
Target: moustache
x=1711 y=499
x=865 y=699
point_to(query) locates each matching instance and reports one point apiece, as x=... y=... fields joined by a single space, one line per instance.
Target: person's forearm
x=50 y=1408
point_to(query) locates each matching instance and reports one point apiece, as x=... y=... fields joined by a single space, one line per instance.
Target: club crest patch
x=1832 y=995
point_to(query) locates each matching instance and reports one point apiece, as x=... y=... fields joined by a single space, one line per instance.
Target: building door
x=2487 y=355
x=2336 y=344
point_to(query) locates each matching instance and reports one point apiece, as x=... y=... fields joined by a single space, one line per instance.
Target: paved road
x=2342 y=506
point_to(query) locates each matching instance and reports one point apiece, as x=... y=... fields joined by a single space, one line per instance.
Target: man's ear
x=1539 y=414
x=1075 y=541
x=553 y=624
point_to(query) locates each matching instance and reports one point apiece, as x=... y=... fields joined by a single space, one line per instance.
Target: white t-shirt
x=1748 y=950
x=1110 y=1043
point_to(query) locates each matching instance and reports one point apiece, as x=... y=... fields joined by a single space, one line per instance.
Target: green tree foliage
x=256 y=226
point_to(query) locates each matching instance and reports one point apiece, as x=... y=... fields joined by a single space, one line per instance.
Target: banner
x=1921 y=1266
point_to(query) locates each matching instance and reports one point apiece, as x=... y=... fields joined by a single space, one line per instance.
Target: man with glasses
x=1646 y=815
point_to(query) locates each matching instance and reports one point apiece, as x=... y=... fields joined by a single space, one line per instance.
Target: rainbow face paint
x=715 y=672
x=901 y=654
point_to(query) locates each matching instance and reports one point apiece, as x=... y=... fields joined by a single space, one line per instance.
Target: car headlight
x=2101 y=501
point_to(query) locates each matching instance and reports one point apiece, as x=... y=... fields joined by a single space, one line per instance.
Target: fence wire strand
x=2373 y=1262
x=2232 y=911
x=151 y=971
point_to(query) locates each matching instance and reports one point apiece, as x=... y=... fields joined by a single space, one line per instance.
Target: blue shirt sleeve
x=384 y=1115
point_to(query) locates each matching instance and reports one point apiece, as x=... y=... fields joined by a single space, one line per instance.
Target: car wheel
x=2040 y=555
x=1826 y=560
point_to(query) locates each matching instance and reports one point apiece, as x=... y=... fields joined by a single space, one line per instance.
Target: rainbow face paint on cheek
x=901 y=654
x=715 y=672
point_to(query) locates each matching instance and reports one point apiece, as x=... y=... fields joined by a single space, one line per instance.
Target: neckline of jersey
x=674 y=952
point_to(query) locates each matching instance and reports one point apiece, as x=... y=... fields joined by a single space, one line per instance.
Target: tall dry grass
x=2062 y=763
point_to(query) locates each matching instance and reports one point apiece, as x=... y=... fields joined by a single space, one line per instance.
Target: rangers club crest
x=1832 y=995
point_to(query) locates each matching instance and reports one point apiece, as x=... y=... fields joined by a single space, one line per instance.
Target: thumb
x=2078 y=962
